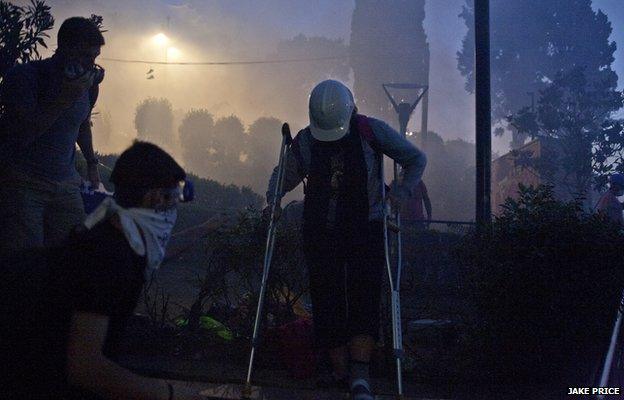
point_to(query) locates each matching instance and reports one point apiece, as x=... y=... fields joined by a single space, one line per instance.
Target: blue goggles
x=184 y=193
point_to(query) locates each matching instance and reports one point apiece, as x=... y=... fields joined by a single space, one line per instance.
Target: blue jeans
x=36 y=212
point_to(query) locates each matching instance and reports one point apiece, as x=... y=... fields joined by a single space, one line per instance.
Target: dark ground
x=434 y=316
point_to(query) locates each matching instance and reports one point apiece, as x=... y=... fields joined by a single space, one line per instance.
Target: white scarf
x=146 y=230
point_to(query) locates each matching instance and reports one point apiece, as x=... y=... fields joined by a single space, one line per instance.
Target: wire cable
x=240 y=62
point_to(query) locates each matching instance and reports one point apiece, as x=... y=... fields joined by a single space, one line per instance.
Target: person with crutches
x=340 y=156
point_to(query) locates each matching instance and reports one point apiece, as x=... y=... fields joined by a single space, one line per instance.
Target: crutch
x=606 y=369
x=394 y=283
x=268 y=254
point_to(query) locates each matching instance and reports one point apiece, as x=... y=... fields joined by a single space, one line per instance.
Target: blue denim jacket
x=387 y=141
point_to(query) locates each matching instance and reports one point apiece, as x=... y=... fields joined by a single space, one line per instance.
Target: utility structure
x=424 y=129
x=404 y=111
x=483 y=112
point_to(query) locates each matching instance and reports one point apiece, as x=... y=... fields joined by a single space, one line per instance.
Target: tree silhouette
x=22 y=30
x=531 y=42
x=264 y=144
x=232 y=155
x=575 y=113
x=196 y=140
x=153 y=121
x=215 y=149
x=388 y=44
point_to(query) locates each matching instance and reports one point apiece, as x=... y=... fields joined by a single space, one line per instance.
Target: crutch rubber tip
x=246 y=392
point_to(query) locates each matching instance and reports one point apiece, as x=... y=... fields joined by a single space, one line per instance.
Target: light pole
x=483 y=111
x=425 y=105
x=161 y=40
x=404 y=111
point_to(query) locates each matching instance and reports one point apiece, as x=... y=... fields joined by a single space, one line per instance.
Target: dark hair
x=140 y=168
x=76 y=31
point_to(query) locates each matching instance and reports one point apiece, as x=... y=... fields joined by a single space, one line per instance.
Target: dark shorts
x=345 y=286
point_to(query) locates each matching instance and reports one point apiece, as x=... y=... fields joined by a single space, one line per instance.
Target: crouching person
x=63 y=328
x=339 y=154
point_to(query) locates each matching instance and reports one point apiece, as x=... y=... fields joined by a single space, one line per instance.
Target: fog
x=231 y=31
x=274 y=30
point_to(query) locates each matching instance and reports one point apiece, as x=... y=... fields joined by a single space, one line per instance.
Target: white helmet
x=331 y=106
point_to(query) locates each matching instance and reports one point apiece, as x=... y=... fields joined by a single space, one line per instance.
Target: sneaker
x=360 y=390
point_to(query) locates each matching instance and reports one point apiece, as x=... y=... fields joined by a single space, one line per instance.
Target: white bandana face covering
x=146 y=230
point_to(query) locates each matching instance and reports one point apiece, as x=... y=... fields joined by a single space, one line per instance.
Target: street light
x=173 y=53
x=161 y=39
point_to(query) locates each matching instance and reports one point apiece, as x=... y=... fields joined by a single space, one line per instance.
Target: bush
x=233 y=273
x=22 y=30
x=545 y=282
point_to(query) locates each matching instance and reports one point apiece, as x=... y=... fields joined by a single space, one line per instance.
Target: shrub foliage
x=545 y=282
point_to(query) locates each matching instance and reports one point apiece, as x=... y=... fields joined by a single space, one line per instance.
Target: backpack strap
x=295 y=147
x=365 y=130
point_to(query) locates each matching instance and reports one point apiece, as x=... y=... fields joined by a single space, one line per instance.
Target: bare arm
x=85 y=142
x=292 y=176
x=89 y=369
x=394 y=145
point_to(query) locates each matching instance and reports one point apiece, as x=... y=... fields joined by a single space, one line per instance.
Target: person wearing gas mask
x=609 y=205
x=46 y=110
x=63 y=348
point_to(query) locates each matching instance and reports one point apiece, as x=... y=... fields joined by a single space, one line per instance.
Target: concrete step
x=234 y=391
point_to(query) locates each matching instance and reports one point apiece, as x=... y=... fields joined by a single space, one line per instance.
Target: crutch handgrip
x=393 y=226
x=286 y=133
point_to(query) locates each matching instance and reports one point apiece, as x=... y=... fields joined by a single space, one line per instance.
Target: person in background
x=64 y=309
x=412 y=212
x=339 y=155
x=47 y=106
x=608 y=204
